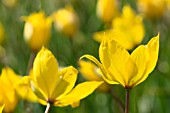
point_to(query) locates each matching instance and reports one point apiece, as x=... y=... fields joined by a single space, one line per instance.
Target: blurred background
x=72 y=33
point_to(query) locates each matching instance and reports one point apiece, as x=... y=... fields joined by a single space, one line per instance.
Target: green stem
x=118 y=101
x=47 y=108
x=31 y=60
x=127 y=101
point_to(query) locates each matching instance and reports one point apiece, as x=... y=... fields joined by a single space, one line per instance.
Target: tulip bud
x=66 y=21
x=152 y=9
x=37 y=30
x=10 y=3
x=106 y=10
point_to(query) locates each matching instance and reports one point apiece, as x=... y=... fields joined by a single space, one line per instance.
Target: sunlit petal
x=45 y=70
x=105 y=76
x=68 y=77
x=79 y=92
x=117 y=61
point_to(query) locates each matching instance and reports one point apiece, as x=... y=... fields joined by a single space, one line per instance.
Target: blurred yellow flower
x=66 y=21
x=55 y=87
x=152 y=8
x=37 y=30
x=2 y=33
x=92 y=73
x=106 y=9
x=119 y=67
x=1 y=108
x=24 y=90
x=10 y=3
x=8 y=96
x=128 y=29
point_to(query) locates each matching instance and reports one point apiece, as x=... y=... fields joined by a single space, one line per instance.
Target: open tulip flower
x=55 y=87
x=120 y=67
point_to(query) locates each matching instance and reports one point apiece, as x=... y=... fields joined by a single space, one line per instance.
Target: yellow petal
x=9 y=77
x=45 y=70
x=105 y=76
x=8 y=80
x=117 y=61
x=23 y=89
x=146 y=58
x=141 y=57
x=79 y=92
x=1 y=108
x=68 y=77
x=75 y=104
x=38 y=92
x=89 y=70
x=153 y=48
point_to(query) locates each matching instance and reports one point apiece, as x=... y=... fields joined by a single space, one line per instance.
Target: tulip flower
x=92 y=73
x=66 y=21
x=8 y=96
x=54 y=87
x=37 y=30
x=120 y=67
x=128 y=29
x=106 y=10
x=152 y=9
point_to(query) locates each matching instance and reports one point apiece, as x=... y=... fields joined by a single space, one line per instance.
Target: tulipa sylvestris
x=37 y=30
x=55 y=87
x=120 y=67
x=66 y=21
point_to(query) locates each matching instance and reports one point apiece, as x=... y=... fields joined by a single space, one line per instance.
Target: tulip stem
x=118 y=101
x=127 y=100
x=47 y=108
x=31 y=60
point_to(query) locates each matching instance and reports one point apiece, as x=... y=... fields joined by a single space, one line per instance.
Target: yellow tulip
x=37 y=30
x=66 y=21
x=106 y=10
x=128 y=29
x=92 y=73
x=55 y=87
x=8 y=96
x=120 y=67
x=152 y=8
